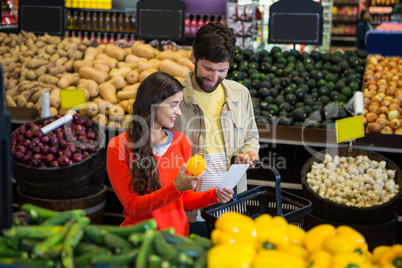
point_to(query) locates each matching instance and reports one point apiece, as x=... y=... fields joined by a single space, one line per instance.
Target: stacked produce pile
x=109 y=75
x=67 y=239
x=353 y=181
x=63 y=146
x=34 y=64
x=383 y=94
x=270 y=241
x=288 y=86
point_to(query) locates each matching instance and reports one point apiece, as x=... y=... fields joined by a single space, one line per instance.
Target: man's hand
x=247 y=158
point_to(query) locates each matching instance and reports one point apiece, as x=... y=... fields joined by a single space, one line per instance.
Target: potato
x=91 y=73
x=101 y=119
x=91 y=110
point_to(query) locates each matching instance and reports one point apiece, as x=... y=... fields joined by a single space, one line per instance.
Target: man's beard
x=201 y=84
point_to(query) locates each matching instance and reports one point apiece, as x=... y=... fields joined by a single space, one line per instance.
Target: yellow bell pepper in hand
x=391 y=257
x=227 y=255
x=277 y=259
x=316 y=236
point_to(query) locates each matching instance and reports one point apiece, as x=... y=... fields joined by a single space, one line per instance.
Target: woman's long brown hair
x=143 y=165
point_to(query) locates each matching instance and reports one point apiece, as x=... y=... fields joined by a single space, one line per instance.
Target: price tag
x=349 y=128
x=72 y=99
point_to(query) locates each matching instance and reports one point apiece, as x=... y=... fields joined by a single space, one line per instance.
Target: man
x=362 y=27
x=217 y=114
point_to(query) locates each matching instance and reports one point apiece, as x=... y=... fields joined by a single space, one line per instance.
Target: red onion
x=35 y=140
x=45 y=149
x=81 y=133
x=49 y=158
x=80 y=121
x=54 y=141
x=25 y=142
x=29 y=124
x=91 y=136
x=26 y=158
x=71 y=147
x=67 y=153
x=62 y=143
x=20 y=137
x=22 y=149
x=77 y=157
x=89 y=123
x=63 y=160
x=53 y=150
x=91 y=149
x=85 y=154
x=36 y=150
x=22 y=130
x=18 y=155
x=28 y=134
x=54 y=163
x=60 y=135
x=78 y=128
x=45 y=139
x=76 y=117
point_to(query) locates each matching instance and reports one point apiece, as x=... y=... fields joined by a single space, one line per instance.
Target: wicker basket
x=331 y=210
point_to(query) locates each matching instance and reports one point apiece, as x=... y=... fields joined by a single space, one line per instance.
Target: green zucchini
x=136 y=238
x=176 y=239
x=37 y=213
x=115 y=243
x=72 y=238
x=11 y=253
x=154 y=261
x=145 y=249
x=32 y=231
x=193 y=251
x=86 y=258
x=94 y=234
x=43 y=246
x=122 y=259
x=162 y=247
x=27 y=262
x=201 y=241
x=63 y=217
x=85 y=247
x=125 y=231
x=201 y=261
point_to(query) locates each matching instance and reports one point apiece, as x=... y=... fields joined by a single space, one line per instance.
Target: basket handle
x=277 y=190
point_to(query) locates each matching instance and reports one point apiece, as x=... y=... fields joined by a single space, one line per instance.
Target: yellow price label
x=349 y=128
x=72 y=99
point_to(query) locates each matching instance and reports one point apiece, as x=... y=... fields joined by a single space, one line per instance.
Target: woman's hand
x=184 y=182
x=224 y=195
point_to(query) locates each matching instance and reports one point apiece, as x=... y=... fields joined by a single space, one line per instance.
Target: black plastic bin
x=260 y=200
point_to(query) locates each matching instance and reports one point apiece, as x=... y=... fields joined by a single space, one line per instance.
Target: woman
x=146 y=163
x=362 y=27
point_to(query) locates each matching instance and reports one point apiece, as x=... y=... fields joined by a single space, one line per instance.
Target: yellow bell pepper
x=391 y=257
x=233 y=222
x=296 y=234
x=356 y=239
x=227 y=255
x=273 y=235
x=298 y=251
x=378 y=251
x=316 y=236
x=277 y=259
x=320 y=259
x=350 y=260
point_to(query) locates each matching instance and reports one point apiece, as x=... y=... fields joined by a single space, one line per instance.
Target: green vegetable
x=136 y=238
x=126 y=231
x=154 y=261
x=8 y=252
x=86 y=258
x=201 y=261
x=63 y=217
x=145 y=249
x=201 y=241
x=176 y=239
x=163 y=248
x=43 y=246
x=191 y=250
x=117 y=259
x=38 y=213
x=32 y=231
x=114 y=242
x=84 y=247
x=94 y=234
x=72 y=238
x=27 y=262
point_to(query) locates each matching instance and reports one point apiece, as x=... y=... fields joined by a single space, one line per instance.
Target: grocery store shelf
x=380 y=9
x=343 y=38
